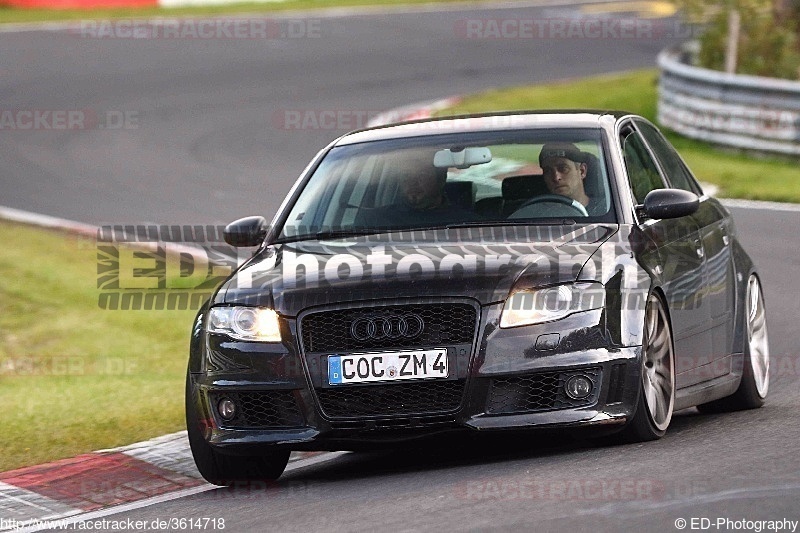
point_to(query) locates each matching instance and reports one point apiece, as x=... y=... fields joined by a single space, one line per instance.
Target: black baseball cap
x=561 y=149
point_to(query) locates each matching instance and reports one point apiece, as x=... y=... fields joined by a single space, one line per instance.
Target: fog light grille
x=262 y=409
x=541 y=391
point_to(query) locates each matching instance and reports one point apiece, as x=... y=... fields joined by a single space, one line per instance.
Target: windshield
x=551 y=176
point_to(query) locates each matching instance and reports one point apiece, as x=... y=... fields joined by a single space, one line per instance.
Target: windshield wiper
x=338 y=234
x=514 y=222
x=347 y=233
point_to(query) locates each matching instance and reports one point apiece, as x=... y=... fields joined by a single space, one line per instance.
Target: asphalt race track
x=201 y=131
x=208 y=138
x=739 y=466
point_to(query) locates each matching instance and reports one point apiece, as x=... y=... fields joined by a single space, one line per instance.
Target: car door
x=679 y=263
x=715 y=226
x=715 y=229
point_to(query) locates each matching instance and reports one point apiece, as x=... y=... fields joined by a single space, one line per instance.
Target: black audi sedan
x=525 y=271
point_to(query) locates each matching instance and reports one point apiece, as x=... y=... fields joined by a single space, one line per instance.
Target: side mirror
x=248 y=231
x=670 y=203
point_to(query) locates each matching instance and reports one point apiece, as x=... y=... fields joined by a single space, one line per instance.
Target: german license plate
x=387 y=366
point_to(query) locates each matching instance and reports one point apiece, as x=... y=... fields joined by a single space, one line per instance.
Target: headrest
x=591 y=184
x=460 y=193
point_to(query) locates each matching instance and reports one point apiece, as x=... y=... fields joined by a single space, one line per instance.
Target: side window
x=677 y=173
x=642 y=170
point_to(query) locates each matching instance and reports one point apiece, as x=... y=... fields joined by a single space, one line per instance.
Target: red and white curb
x=46 y=221
x=84 y=230
x=416 y=111
x=107 y=482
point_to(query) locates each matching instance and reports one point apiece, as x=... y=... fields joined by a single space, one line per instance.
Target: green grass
x=75 y=378
x=737 y=175
x=9 y=14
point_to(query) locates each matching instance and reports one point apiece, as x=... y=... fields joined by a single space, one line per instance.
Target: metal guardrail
x=748 y=112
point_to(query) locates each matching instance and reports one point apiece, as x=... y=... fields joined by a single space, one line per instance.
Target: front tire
x=754 y=386
x=221 y=469
x=657 y=394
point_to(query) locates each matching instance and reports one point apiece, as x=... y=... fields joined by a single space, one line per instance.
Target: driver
x=422 y=188
x=565 y=167
x=422 y=200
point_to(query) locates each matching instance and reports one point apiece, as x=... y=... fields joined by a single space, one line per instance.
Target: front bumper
x=509 y=379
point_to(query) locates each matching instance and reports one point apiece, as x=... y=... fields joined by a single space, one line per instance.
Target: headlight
x=245 y=323
x=526 y=307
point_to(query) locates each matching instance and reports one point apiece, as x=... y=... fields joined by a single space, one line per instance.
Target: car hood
x=480 y=263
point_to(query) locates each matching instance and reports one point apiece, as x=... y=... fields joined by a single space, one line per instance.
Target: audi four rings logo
x=380 y=327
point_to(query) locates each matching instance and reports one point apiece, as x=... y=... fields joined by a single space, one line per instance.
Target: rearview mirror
x=248 y=231
x=670 y=203
x=464 y=158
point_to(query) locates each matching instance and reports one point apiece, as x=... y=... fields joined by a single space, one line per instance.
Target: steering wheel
x=564 y=203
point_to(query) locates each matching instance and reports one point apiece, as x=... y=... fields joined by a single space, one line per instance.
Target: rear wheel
x=755 y=372
x=657 y=394
x=221 y=469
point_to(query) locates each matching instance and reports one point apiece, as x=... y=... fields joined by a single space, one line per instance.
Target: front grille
x=402 y=423
x=261 y=409
x=542 y=391
x=406 y=398
x=444 y=324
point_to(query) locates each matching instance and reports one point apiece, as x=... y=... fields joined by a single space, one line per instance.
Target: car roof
x=497 y=121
